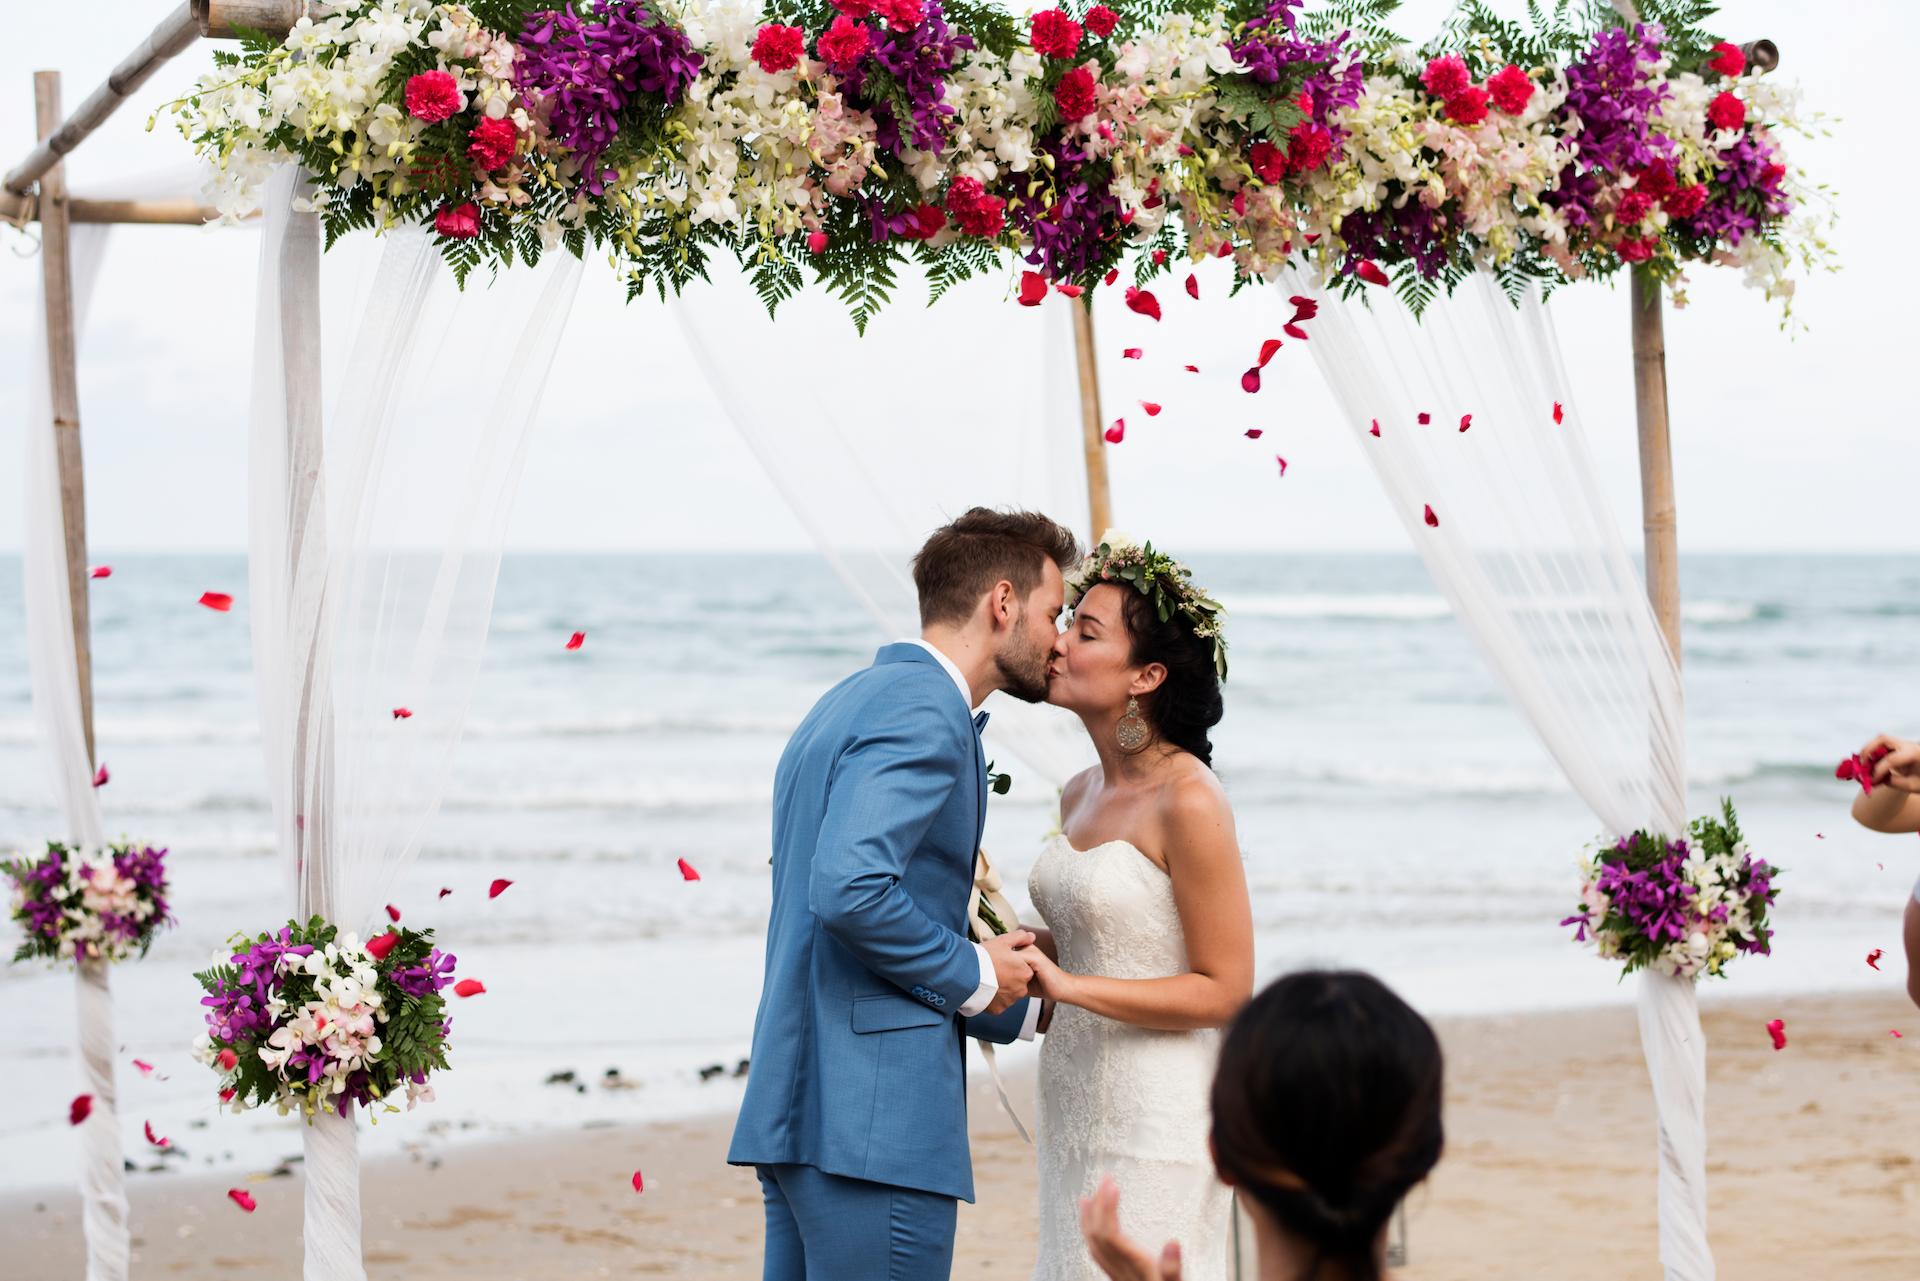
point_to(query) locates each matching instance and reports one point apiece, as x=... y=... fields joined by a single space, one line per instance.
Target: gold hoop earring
x=1132 y=732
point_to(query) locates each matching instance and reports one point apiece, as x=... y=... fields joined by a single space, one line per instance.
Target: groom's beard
x=1024 y=674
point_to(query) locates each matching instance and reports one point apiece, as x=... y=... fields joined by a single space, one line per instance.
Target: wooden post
x=1093 y=442
x=1656 y=455
x=56 y=262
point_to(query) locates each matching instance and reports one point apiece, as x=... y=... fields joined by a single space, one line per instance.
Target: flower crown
x=1158 y=576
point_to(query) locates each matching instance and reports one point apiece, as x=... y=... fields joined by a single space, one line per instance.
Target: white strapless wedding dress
x=1119 y=1100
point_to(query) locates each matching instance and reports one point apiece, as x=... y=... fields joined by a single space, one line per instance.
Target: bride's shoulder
x=1191 y=797
x=1076 y=786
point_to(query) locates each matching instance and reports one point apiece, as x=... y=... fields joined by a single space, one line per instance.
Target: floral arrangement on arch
x=306 y=1018
x=847 y=138
x=87 y=904
x=1676 y=907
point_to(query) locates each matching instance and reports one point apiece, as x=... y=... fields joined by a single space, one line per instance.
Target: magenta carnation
x=1447 y=78
x=1511 y=89
x=1074 y=94
x=842 y=45
x=1055 y=35
x=491 y=143
x=432 y=96
x=776 y=48
x=1469 y=106
x=458 y=222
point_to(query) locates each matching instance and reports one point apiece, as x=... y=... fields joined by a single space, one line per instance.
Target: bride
x=1149 y=945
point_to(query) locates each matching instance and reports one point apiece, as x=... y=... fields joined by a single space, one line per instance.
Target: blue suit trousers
x=823 y=1227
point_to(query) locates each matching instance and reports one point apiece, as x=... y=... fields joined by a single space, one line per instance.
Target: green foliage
x=1368 y=20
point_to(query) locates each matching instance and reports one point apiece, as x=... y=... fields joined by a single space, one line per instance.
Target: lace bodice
x=1119 y=1100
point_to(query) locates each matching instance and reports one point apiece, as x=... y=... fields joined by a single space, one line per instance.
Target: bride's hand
x=1049 y=980
x=1117 y=1256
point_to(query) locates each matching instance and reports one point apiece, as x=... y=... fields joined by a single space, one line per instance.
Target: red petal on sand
x=1153 y=409
x=1466 y=421
x=1894 y=1034
x=1255 y=433
x=1141 y=301
x=639 y=1184
x=155 y=1139
x=576 y=640
x=1425 y=418
x=469 y=987
x=1250 y=381
x=219 y=601
x=1370 y=273
x=1433 y=521
x=686 y=871
x=100 y=571
x=242 y=1198
x=1033 y=288
x=1116 y=433
x=100 y=776
x=1873 y=958
x=80 y=1109
x=1283 y=464
x=1267 y=349
x=379 y=946
x=498 y=887
x=1558 y=413
x=393 y=913
x=1777 y=1029
x=1376 y=428
x=1193 y=286
x=1131 y=353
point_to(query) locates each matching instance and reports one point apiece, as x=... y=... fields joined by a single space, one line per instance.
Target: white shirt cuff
x=1032 y=1025
x=989 y=984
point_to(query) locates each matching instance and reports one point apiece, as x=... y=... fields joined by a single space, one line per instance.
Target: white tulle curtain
x=876 y=440
x=1537 y=571
x=54 y=674
x=387 y=442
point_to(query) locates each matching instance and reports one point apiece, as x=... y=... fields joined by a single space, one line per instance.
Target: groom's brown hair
x=968 y=555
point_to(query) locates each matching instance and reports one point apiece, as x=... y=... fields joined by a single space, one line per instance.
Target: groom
x=855 y=1110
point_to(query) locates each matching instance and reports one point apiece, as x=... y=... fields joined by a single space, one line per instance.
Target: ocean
x=1395 y=813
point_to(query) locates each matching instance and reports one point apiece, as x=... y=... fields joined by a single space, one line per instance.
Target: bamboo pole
x=56 y=263
x=184 y=213
x=1659 y=525
x=1093 y=443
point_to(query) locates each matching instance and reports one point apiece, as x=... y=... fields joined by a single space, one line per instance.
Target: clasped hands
x=1022 y=970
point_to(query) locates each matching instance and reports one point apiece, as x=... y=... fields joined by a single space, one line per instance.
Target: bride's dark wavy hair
x=1326 y=1111
x=1188 y=702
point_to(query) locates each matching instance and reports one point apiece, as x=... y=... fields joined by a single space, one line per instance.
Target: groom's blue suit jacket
x=858 y=1067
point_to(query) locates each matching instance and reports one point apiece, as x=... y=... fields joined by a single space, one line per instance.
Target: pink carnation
x=843 y=44
x=492 y=143
x=1055 y=35
x=901 y=15
x=1511 y=89
x=1469 y=106
x=1447 y=77
x=1727 y=112
x=1101 y=21
x=1074 y=94
x=458 y=222
x=776 y=48
x=432 y=96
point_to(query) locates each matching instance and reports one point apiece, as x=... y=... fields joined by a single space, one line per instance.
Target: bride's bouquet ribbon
x=989 y=914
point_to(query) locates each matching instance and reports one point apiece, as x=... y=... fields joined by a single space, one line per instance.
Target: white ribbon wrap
x=333 y=1199
x=987 y=891
x=103 y=1184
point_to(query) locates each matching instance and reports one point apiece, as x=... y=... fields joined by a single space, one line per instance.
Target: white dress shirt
x=989 y=982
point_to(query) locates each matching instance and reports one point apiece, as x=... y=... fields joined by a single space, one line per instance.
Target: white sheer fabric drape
x=378 y=503
x=1537 y=571
x=876 y=440
x=54 y=674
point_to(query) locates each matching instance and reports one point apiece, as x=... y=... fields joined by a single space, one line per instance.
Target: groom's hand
x=1011 y=972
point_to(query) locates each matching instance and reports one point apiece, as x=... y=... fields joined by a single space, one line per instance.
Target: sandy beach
x=1549 y=1172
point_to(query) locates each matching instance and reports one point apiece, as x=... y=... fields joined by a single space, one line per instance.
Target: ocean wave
x=134 y=731
x=617 y=724
x=653 y=796
x=1484 y=781
x=1425 y=608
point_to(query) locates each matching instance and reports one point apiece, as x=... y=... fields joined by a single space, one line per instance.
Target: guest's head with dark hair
x=1326 y=1113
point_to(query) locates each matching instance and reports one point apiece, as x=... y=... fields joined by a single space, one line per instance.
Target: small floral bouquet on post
x=307 y=1018
x=89 y=905
x=1677 y=908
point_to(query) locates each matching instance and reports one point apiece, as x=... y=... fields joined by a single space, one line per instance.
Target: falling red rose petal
x=1226 y=247
x=1777 y=1029
x=817 y=243
x=444 y=891
x=469 y=987
x=218 y=601
x=402 y=714
x=576 y=640
x=1153 y=409
x=639 y=1184
x=227 y=1060
x=80 y=1109
x=225 y=1095
x=1142 y=302
x=1033 y=288
x=1283 y=464
x=1255 y=433
x=1131 y=353
x=100 y=776
x=1193 y=286
x=1159 y=257
x=100 y=571
x=393 y=913
x=146 y=1069
x=156 y=1140
x=1425 y=418
x=1370 y=273
x=1294 y=331
x=1192 y=369
x=1113 y=275
x=1071 y=291
x=1267 y=349
x=1375 y=430
x=379 y=946
x=1466 y=421
x=686 y=871
x=1250 y=381
x=1433 y=521
x=498 y=887
x=1117 y=432
x=1873 y=958
x=1559 y=414
x=242 y=1198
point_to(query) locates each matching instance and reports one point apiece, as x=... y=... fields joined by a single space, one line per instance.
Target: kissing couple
x=855 y=1114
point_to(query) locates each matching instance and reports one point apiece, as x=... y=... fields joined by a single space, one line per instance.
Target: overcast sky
x=1779 y=442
